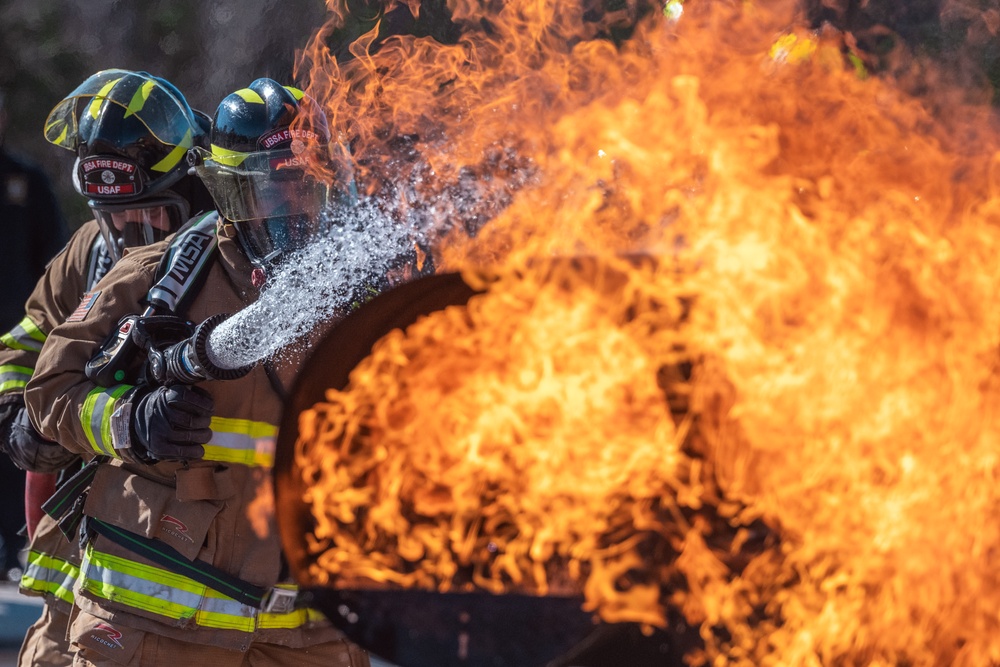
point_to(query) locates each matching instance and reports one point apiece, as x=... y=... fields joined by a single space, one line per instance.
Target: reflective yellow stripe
x=14 y=378
x=289 y=621
x=174 y=156
x=95 y=105
x=228 y=157
x=241 y=441
x=95 y=417
x=296 y=93
x=49 y=575
x=249 y=95
x=138 y=100
x=25 y=336
x=158 y=591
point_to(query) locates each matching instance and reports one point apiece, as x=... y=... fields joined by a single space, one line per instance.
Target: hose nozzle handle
x=189 y=362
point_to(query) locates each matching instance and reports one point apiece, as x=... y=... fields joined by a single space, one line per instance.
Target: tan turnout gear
x=53 y=561
x=218 y=510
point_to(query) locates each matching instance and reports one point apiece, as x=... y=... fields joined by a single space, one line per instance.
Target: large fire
x=785 y=425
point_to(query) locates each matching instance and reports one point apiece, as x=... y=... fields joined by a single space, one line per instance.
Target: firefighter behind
x=182 y=562
x=33 y=231
x=129 y=132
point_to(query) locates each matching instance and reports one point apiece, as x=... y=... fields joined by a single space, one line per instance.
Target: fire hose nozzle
x=189 y=361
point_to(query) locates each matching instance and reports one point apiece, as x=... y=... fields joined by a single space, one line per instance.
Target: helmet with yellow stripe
x=131 y=132
x=269 y=144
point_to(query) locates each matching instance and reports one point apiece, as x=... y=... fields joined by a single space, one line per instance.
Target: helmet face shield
x=266 y=240
x=139 y=223
x=274 y=203
x=165 y=116
x=254 y=186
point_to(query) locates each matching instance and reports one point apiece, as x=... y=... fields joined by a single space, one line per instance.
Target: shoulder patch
x=86 y=303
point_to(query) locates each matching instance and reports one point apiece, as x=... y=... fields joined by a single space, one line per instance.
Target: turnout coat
x=53 y=561
x=217 y=510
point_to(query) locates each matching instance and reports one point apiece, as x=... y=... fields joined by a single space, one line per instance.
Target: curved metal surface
x=329 y=366
x=428 y=629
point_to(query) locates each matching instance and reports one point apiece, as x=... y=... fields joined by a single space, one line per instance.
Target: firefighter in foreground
x=130 y=165
x=182 y=561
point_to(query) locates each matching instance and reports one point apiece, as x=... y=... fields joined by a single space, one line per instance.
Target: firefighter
x=33 y=232
x=130 y=132
x=182 y=561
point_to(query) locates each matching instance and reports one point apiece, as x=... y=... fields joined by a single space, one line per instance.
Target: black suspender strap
x=165 y=555
x=66 y=504
x=183 y=268
x=99 y=261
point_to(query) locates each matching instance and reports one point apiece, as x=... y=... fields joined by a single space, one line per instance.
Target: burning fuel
x=785 y=426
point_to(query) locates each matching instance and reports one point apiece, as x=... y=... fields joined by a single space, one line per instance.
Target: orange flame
x=826 y=268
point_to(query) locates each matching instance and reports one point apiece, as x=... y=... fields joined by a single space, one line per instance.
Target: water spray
x=316 y=285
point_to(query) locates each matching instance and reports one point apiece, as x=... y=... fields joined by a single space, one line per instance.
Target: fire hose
x=176 y=351
x=38 y=487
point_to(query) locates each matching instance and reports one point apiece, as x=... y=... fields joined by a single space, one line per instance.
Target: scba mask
x=128 y=225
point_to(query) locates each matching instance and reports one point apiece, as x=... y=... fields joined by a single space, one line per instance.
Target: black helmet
x=268 y=143
x=131 y=132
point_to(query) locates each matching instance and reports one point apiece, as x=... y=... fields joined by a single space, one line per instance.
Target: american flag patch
x=85 y=305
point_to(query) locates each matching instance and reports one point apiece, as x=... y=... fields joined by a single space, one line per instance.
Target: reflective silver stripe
x=111 y=579
x=168 y=594
x=50 y=575
x=25 y=336
x=161 y=592
x=95 y=417
x=241 y=441
x=227 y=606
x=14 y=378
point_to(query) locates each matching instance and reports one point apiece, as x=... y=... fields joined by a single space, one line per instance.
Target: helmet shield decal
x=294 y=139
x=109 y=177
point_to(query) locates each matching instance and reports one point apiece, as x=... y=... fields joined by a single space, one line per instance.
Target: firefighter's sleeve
x=63 y=404
x=55 y=296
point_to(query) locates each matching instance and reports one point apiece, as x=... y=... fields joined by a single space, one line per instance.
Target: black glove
x=8 y=413
x=173 y=422
x=25 y=446
x=30 y=451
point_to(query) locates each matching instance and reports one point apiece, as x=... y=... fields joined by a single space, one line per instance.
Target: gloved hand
x=30 y=451
x=8 y=413
x=173 y=422
x=25 y=446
